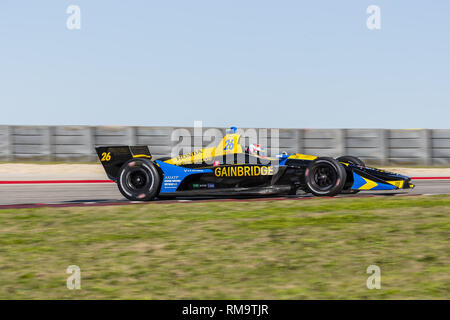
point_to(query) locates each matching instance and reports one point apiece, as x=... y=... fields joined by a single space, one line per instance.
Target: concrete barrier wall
x=76 y=143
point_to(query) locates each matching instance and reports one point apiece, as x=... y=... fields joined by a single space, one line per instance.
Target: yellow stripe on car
x=142 y=156
x=300 y=156
x=398 y=183
x=369 y=184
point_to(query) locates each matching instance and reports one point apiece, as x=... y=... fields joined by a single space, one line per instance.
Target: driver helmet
x=255 y=149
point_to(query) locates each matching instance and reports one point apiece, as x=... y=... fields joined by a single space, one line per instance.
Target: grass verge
x=316 y=248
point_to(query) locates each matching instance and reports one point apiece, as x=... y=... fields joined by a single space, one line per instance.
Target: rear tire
x=355 y=161
x=325 y=177
x=139 y=180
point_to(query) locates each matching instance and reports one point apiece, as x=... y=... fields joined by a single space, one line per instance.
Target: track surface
x=35 y=195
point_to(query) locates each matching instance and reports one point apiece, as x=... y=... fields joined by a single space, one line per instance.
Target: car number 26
x=106 y=156
x=229 y=144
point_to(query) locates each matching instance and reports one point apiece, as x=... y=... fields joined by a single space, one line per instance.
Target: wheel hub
x=137 y=179
x=324 y=177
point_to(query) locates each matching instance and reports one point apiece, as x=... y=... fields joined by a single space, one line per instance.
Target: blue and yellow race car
x=229 y=169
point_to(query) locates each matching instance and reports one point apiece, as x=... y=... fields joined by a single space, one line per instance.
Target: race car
x=229 y=169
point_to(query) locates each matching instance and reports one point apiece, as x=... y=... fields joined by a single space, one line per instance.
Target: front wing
x=365 y=178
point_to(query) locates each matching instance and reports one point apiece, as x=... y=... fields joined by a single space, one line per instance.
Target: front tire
x=139 y=180
x=325 y=177
x=352 y=160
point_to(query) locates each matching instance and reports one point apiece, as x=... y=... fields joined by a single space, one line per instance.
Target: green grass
x=291 y=249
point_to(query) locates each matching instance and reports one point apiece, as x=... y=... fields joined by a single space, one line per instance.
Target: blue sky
x=249 y=63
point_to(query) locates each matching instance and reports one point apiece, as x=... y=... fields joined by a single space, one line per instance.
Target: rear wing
x=113 y=157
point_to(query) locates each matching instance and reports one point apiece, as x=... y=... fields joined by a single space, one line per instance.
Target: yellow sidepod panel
x=300 y=156
x=228 y=145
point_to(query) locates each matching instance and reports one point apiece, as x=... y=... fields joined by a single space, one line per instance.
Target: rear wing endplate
x=113 y=157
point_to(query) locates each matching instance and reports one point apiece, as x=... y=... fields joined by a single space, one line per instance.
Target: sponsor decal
x=243 y=171
x=193 y=157
x=189 y=155
x=171 y=182
x=203 y=185
x=229 y=144
x=193 y=171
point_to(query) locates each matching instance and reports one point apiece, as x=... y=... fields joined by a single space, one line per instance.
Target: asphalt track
x=100 y=193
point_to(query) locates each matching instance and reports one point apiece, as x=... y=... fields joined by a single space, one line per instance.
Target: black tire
x=355 y=161
x=352 y=160
x=139 y=180
x=325 y=177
